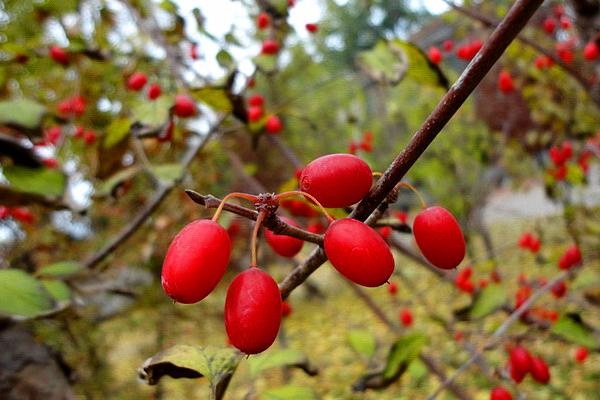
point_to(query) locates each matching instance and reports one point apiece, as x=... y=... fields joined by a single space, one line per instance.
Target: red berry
x=286 y=309
x=59 y=55
x=337 y=180
x=463 y=52
x=312 y=28
x=558 y=10
x=79 y=132
x=352 y=147
x=565 y=23
x=263 y=20
x=439 y=237
x=542 y=62
x=570 y=258
x=565 y=52
x=273 y=124
x=256 y=100
x=23 y=215
x=53 y=134
x=591 y=51
x=50 y=163
x=316 y=227
x=448 y=45
x=89 y=137
x=435 y=55
x=195 y=261
x=358 y=252
x=458 y=335
x=520 y=360
x=194 y=51
x=154 y=91
x=64 y=107
x=406 y=317
x=270 y=47
x=505 y=82
x=184 y=106
x=499 y=393
x=4 y=212
x=385 y=232
x=285 y=246
x=392 y=288
x=299 y=208
x=483 y=283
x=474 y=47
x=254 y=113
x=401 y=216
x=77 y=105
x=539 y=370
x=525 y=240
x=136 y=81
x=234 y=229
x=559 y=290
x=253 y=311
x=581 y=354
x=549 y=25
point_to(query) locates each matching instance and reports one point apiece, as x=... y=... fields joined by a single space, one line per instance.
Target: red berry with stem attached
x=406 y=317
x=337 y=180
x=520 y=360
x=59 y=55
x=358 y=252
x=136 y=81
x=253 y=311
x=312 y=28
x=435 y=55
x=499 y=393
x=581 y=354
x=273 y=125
x=285 y=246
x=154 y=91
x=263 y=20
x=256 y=100
x=591 y=51
x=439 y=237
x=270 y=47
x=184 y=106
x=539 y=370
x=195 y=261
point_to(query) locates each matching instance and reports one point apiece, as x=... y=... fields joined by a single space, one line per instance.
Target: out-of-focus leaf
x=183 y=361
x=230 y=38
x=289 y=185
x=21 y=113
x=59 y=290
x=60 y=269
x=571 y=328
x=42 y=181
x=116 y=132
x=22 y=295
x=214 y=97
x=289 y=392
x=168 y=172
x=420 y=68
x=224 y=59
x=362 y=341
x=490 y=299
x=153 y=113
x=383 y=63
x=106 y=188
x=402 y=353
x=266 y=63
x=168 y=6
x=281 y=358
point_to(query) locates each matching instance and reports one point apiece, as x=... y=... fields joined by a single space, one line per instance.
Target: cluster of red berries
x=528 y=241
x=521 y=363
x=570 y=258
x=263 y=20
x=465 y=52
x=255 y=113
x=72 y=107
x=365 y=144
x=20 y=214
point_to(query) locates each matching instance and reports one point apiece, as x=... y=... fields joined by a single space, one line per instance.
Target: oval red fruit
x=254 y=113
x=312 y=28
x=539 y=370
x=59 y=55
x=520 y=360
x=358 y=252
x=499 y=393
x=136 y=81
x=184 y=106
x=581 y=354
x=253 y=310
x=262 y=20
x=256 y=100
x=270 y=47
x=591 y=51
x=154 y=91
x=195 y=261
x=439 y=237
x=337 y=180
x=285 y=246
x=406 y=317
x=435 y=55
x=273 y=124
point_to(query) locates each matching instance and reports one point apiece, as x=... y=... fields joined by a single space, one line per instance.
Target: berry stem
x=414 y=190
x=377 y=174
x=235 y=195
x=254 y=245
x=309 y=197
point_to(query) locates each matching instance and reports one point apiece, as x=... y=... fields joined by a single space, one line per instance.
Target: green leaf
x=383 y=64
x=43 y=181
x=23 y=295
x=184 y=361
x=281 y=358
x=60 y=269
x=571 y=328
x=265 y=62
x=361 y=341
x=168 y=172
x=22 y=113
x=59 y=290
x=214 y=97
x=106 y=188
x=289 y=392
x=152 y=113
x=116 y=132
x=224 y=59
x=420 y=69
x=490 y=299
x=403 y=352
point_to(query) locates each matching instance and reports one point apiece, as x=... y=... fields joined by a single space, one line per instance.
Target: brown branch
x=286 y=151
